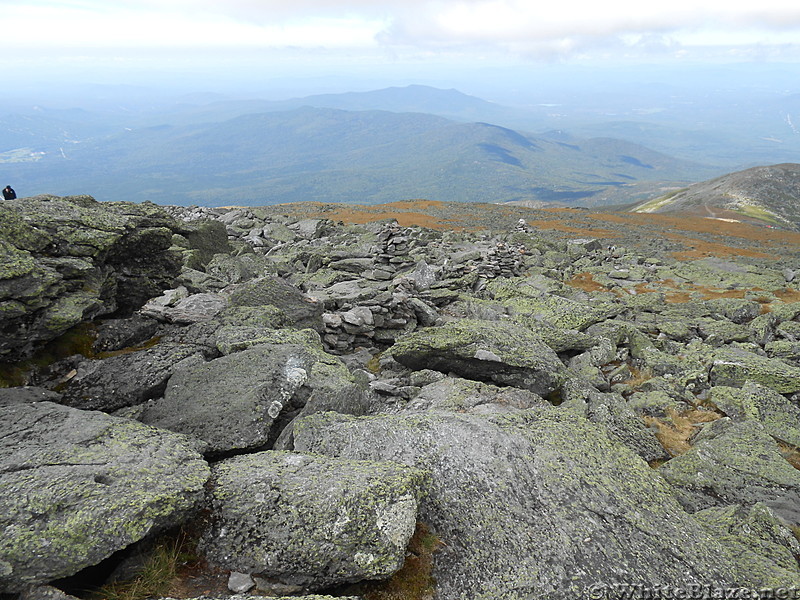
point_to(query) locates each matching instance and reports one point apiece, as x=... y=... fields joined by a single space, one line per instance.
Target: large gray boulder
x=77 y=486
x=735 y=463
x=779 y=416
x=27 y=395
x=734 y=366
x=464 y=395
x=178 y=306
x=66 y=260
x=310 y=521
x=127 y=379
x=535 y=504
x=770 y=548
x=296 y=308
x=497 y=351
x=245 y=399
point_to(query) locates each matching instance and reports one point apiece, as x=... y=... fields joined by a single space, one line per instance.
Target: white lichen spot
x=274 y=409
x=364 y=559
x=396 y=521
x=487 y=355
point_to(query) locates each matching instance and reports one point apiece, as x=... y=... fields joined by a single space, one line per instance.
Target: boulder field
x=564 y=416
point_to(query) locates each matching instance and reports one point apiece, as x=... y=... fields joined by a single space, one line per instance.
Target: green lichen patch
x=769 y=550
x=734 y=366
x=495 y=351
x=779 y=416
x=311 y=520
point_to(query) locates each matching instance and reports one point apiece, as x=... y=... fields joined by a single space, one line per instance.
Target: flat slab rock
x=237 y=401
x=311 y=521
x=495 y=351
x=735 y=463
x=534 y=504
x=76 y=486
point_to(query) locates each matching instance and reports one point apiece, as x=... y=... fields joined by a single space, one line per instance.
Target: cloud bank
x=517 y=27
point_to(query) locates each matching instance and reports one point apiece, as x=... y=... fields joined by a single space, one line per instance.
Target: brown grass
x=408 y=213
x=638 y=376
x=586 y=282
x=788 y=295
x=696 y=249
x=415 y=580
x=674 y=435
x=700 y=236
x=745 y=231
x=790 y=453
x=587 y=232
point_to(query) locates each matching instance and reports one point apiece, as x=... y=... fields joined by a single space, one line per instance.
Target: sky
x=215 y=38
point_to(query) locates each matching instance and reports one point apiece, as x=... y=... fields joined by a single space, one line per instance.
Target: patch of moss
x=758 y=212
x=414 y=581
x=374 y=364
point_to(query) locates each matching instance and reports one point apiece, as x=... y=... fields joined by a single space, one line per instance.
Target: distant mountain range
x=333 y=155
x=368 y=147
x=767 y=195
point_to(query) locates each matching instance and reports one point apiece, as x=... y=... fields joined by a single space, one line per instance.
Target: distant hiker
x=9 y=193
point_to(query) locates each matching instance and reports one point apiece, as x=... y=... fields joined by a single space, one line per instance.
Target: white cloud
x=522 y=27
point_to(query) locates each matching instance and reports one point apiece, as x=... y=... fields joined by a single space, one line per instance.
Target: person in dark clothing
x=9 y=193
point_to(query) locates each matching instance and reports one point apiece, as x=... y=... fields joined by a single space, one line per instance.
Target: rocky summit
x=409 y=401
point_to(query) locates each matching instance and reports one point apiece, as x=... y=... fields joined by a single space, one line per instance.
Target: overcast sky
x=71 y=35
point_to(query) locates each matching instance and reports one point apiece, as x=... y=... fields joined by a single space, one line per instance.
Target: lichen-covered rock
x=722 y=331
x=127 y=379
x=779 y=416
x=245 y=399
x=737 y=310
x=311 y=521
x=298 y=309
x=734 y=366
x=238 y=269
x=66 y=260
x=735 y=463
x=500 y=352
x=235 y=338
x=77 y=486
x=532 y=504
x=529 y=298
x=113 y=335
x=27 y=395
x=770 y=548
x=612 y=412
x=44 y=592
x=655 y=403
x=464 y=395
x=191 y=308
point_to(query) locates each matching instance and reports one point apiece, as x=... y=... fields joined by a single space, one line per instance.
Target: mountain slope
x=350 y=156
x=769 y=195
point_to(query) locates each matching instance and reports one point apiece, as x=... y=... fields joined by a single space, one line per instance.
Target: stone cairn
x=379 y=320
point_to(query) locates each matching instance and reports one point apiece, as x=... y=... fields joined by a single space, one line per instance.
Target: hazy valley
x=584 y=148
